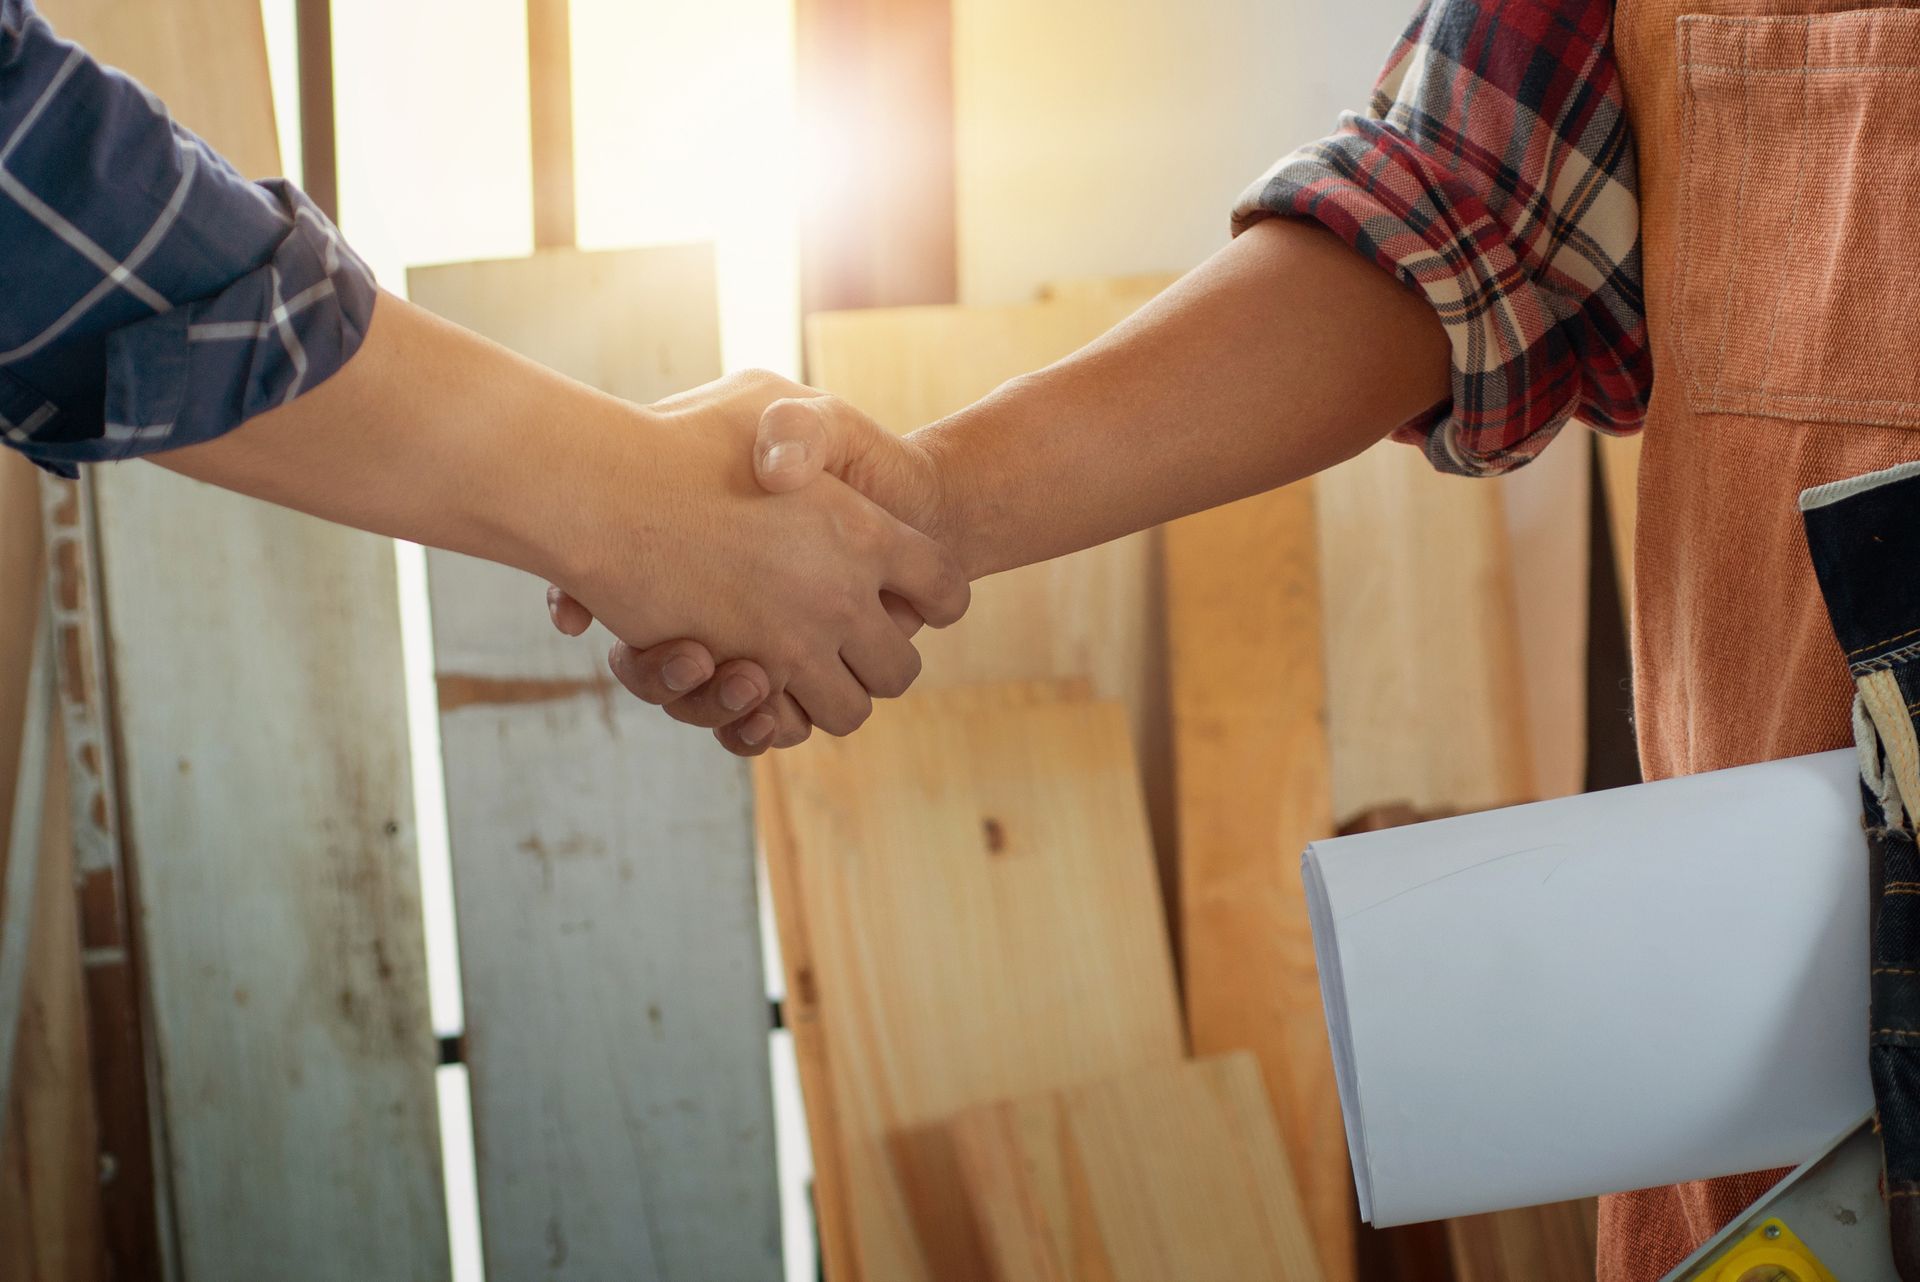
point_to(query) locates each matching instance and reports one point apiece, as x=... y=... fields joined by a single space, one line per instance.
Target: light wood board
x=132 y=1202
x=1547 y=506
x=50 y=1228
x=1620 y=475
x=1422 y=638
x=256 y=670
x=1168 y=1172
x=49 y=1202
x=967 y=910
x=1095 y=614
x=1556 y=1241
x=617 y=1018
x=1251 y=763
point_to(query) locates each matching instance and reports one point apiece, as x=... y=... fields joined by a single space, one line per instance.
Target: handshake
x=766 y=557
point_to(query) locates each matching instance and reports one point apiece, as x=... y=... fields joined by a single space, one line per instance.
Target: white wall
x=1111 y=137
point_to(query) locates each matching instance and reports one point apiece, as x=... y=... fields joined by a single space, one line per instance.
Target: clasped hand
x=812 y=585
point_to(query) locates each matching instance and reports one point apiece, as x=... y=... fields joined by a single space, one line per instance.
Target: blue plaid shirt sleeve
x=150 y=296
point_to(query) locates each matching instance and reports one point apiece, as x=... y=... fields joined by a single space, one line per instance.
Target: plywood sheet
x=1094 y=614
x=603 y=862
x=1168 y=1172
x=256 y=668
x=1422 y=639
x=967 y=909
x=1251 y=763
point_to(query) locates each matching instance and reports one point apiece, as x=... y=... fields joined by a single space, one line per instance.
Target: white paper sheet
x=1604 y=992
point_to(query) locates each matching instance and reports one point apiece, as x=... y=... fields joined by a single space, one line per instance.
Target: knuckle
x=901 y=679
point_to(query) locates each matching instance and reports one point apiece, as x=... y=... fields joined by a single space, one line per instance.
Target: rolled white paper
x=1612 y=991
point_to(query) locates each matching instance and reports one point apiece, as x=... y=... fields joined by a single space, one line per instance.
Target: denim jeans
x=1864 y=535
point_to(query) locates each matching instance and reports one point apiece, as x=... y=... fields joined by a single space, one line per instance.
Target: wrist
x=970 y=516
x=574 y=518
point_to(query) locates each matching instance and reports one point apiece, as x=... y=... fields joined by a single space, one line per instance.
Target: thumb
x=801 y=437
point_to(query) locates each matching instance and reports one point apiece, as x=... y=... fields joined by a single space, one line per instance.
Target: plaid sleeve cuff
x=1506 y=195
x=203 y=368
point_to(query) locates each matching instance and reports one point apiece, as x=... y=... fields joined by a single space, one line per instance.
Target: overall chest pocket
x=1798 y=274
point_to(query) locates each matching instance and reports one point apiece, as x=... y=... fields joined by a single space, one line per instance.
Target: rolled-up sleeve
x=150 y=296
x=1494 y=173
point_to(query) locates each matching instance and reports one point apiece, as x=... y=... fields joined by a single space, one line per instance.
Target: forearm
x=1282 y=355
x=429 y=433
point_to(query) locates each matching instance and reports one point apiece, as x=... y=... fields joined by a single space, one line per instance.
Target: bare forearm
x=429 y=433
x=1283 y=354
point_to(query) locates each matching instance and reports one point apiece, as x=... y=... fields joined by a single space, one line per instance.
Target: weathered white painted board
x=617 y=1018
x=255 y=661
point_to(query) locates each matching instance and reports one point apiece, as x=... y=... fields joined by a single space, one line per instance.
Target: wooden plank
x=1555 y=1241
x=1250 y=746
x=1097 y=613
x=50 y=1227
x=268 y=800
x=800 y=1008
x=265 y=787
x=117 y=1037
x=206 y=59
x=603 y=862
x=50 y=1213
x=1620 y=476
x=1549 y=540
x=1422 y=638
x=550 y=94
x=1167 y=1172
x=975 y=888
x=875 y=86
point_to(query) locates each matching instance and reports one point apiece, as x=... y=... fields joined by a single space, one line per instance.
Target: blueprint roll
x=1630 y=988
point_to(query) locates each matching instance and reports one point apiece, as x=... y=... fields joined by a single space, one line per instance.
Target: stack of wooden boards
x=1268 y=710
x=982 y=1000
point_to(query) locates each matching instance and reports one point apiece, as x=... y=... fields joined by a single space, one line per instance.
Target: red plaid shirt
x=1494 y=172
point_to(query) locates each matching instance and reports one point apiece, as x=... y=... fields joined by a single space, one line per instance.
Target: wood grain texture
x=1422 y=638
x=50 y=1227
x=1555 y=1241
x=972 y=888
x=1251 y=758
x=130 y=1204
x=1169 y=1172
x=1096 y=613
x=257 y=678
x=255 y=664
x=50 y=1213
x=617 y=1026
x=1620 y=476
x=1549 y=539
x=800 y=1009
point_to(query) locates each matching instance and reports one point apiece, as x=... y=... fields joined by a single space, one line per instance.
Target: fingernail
x=681 y=673
x=782 y=456
x=738 y=693
x=756 y=728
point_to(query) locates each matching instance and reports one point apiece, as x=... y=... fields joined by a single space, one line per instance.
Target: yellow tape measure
x=1771 y=1253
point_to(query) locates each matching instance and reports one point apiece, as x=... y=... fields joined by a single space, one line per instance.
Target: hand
x=798 y=436
x=819 y=563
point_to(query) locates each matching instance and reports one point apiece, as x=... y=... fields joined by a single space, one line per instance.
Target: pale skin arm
x=647 y=515
x=1283 y=354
